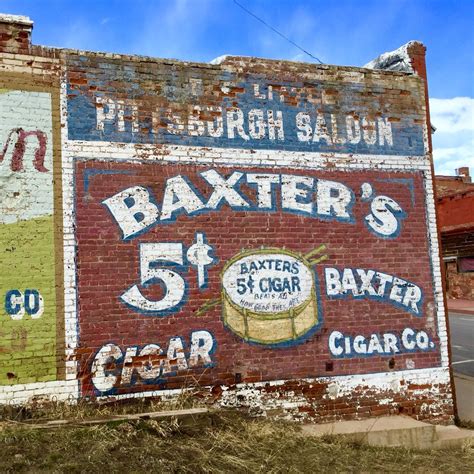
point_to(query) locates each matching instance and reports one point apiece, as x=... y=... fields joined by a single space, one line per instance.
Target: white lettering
x=264 y=184
x=179 y=195
x=349 y=283
x=334 y=199
x=235 y=121
x=201 y=346
x=106 y=355
x=127 y=368
x=196 y=126
x=275 y=124
x=374 y=345
x=370 y=283
x=215 y=128
x=412 y=297
x=303 y=124
x=175 y=356
x=333 y=282
x=385 y=131
x=334 y=347
x=360 y=346
x=408 y=339
x=296 y=193
x=352 y=129
x=369 y=131
x=224 y=189
x=257 y=124
x=385 y=216
x=151 y=362
x=173 y=283
x=321 y=130
x=132 y=210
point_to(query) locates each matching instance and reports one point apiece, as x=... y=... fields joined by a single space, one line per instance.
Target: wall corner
x=15 y=34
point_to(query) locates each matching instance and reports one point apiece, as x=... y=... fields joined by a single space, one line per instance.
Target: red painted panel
x=107 y=266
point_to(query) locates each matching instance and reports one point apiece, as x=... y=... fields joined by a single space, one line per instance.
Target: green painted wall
x=27 y=243
x=27 y=345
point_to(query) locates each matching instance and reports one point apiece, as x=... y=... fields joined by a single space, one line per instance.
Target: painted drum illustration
x=269 y=296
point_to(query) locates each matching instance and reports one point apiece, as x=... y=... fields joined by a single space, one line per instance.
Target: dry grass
x=232 y=444
x=466 y=424
x=40 y=410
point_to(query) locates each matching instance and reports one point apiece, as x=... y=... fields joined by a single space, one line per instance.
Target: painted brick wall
x=455 y=208
x=456 y=212
x=262 y=229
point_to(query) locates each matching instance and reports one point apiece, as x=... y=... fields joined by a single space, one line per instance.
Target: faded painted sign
x=137 y=209
x=226 y=261
x=27 y=263
x=151 y=363
x=263 y=231
x=270 y=296
x=246 y=112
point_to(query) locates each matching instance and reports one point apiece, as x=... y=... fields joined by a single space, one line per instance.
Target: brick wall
x=250 y=227
x=457 y=245
x=455 y=207
x=456 y=212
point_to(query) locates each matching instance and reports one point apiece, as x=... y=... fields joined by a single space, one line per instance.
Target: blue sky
x=343 y=32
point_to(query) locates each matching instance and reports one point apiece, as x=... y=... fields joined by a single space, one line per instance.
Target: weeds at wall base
x=46 y=410
x=233 y=443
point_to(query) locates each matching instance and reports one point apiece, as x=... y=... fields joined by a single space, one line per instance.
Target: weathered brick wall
x=458 y=244
x=456 y=214
x=456 y=222
x=263 y=229
x=460 y=285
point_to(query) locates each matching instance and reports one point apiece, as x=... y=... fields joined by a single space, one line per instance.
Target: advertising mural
x=27 y=265
x=263 y=231
x=338 y=112
x=221 y=273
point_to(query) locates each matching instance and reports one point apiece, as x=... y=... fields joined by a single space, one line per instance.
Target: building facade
x=248 y=228
x=455 y=203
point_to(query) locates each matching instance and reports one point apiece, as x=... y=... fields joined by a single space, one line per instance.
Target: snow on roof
x=397 y=60
x=223 y=58
x=19 y=19
x=219 y=59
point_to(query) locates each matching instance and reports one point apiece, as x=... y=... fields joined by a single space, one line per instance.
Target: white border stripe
x=70 y=313
x=436 y=268
x=130 y=152
x=346 y=384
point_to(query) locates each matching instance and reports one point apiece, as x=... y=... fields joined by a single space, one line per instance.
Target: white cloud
x=453 y=115
x=447 y=160
x=453 y=141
